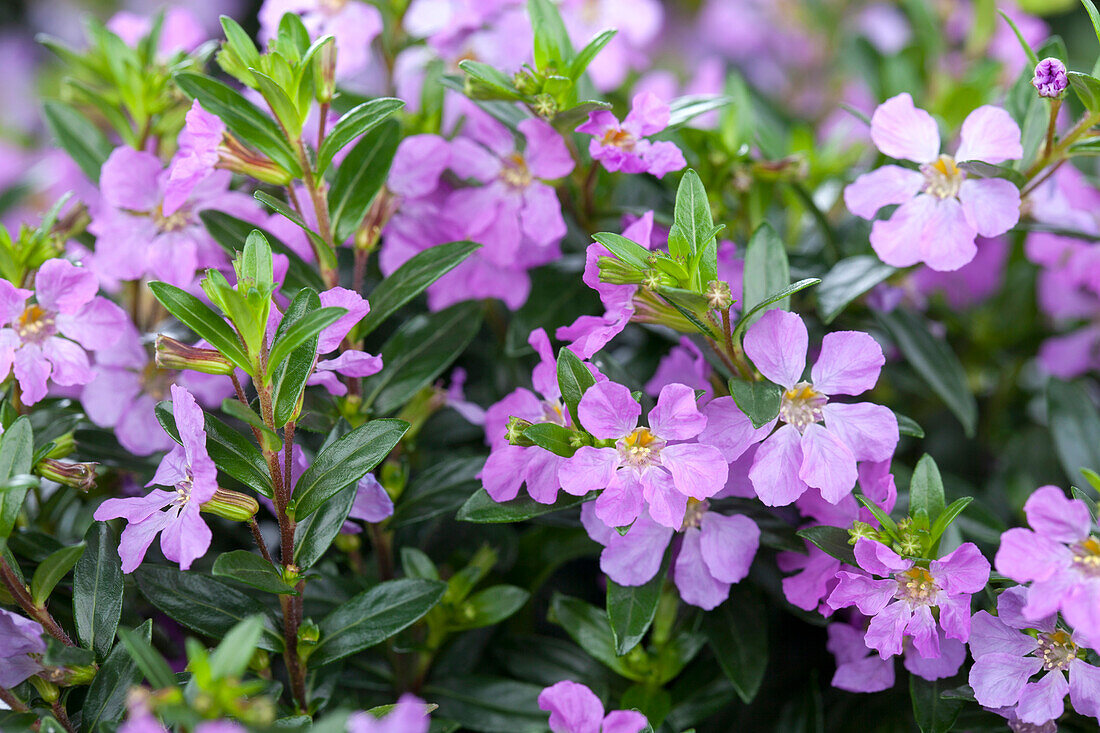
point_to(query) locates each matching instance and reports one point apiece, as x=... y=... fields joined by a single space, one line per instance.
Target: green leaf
x=888 y=524
x=488 y=704
x=206 y=324
x=488 y=607
x=1081 y=495
x=552 y=437
x=411 y=279
x=202 y=603
x=481 y=509
x=339 y=466
x=235 y=408
x=235 y=651
x=585 y=55
x=945 y=519
x=496 y=80
x=626 y=250
x=935 y=362
x=1087 y=90
x=909 y=426
x=574 y=379
x=231 y=452
x=231 y=233
x=253 y=570
x=553 y=51
x=51 y=570
x=315 y=533
x=418 y=353
x=240 y=42
x=737 y=632
x=590 y=628
x=438 y=491
x=691 y=219
x=285 y=110
x=16 y=459
x=1094 y=16
x=1031 y=57
x=758 y=400
x=753 y=314
x=242 y=118
x=374 y=616
x=105 y=702
x=766 y=272
x=847 y=280
x=63 y=655
x=290 y=376
x=86 y=145
x=353 y=123
x=684 y=109
x=148 y=659
x=833 y=541
x=934 y=713
x=318 y=243
x=97 y=590
x=630 y=609
x=300 y=331
x=1075 y=427
x=416 y=564
x=926 y=489
x=359 y=179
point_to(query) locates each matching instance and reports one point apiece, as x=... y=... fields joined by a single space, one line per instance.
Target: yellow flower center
x=694 y=514
x=641 y=448
x=917 y=586
x=515 y=172
x=1086 y=556
x=1056 y=650
x=802 y=405
x=174 y=223
x=35 y=324
x=620 y=139
x=942 y=178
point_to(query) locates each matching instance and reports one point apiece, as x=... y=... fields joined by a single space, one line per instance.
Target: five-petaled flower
x=621 y=146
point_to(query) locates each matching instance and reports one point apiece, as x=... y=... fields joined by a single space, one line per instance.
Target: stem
x=1058 y=151
x=288 y=455
x=12 y=701
x=62 y=716
x=382 y=552
x=1055 y=105
x=259 y=539
x=321 y=125
x=319 y=199
x=22 y=597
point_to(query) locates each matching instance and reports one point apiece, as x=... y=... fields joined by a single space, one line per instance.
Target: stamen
x=917 y=586
x=1086 y=556
x=35 y=324
x=620 y=139
x=802 y=405
x=515 y=172
x=694 y=514
x=942 y=178
x=641 y=448
x=1056 y=650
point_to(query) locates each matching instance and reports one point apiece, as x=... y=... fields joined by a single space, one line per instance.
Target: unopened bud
x=231 y=505
x=260 y=661
x=309 y=633
x=80 y=675
x=525 y=82
x=617 y=272
x=1050 y=78
x=651 y=279
x=861 y=530
x=719 y=296
x=326 y=81
x=515 y=430
x=173 y=354
x=291 y=574
x=79 y=476
x=47 y=690
x=234 y=156
x=546 y=106
x=63 y=445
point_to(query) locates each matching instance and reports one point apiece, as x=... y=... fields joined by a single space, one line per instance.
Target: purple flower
x=188 y=469
x=372 y=504
x=195 y=160
x=902 y=601
x=19 y=638
x=574 y=708
x=349 y=363
x=820 y=441
x=621 y=147
x=639 y=23
x=1060 y=557
x=643 y=464
x=684 y=363
x=181 y=31
x=1050 y=78
x=942 y=211
x=353 y=25
x=1010 y=649
x=858 y=669
x=715 y=551
x=45 y=340
x=134 y=235
x=409 y=715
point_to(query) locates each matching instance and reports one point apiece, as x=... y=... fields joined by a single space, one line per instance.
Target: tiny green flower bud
x=291 y=574
x=516 y=426
x=326 y=82
x=79 y=476
x=651 y=279
x=231 y=505
x=525 y=82
x=80 y=675
x=47 y=690
x=309 y=633
x=63 y=445
x=546 y=106
x=616 y=272
x=260 y=661
x=719 y=296
x=173 y=354
x=861 y=530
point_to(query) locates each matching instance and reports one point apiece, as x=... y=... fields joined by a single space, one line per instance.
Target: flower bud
x=516 y=426
x=63 y=445
x=234 y=156
x=347 y=542
x=861 y=530
x=525 y=82
x=1050 y=78
x=173 y=354
x=291 y=574
x=308 y=633
x=326 y=81
x=617 y=272
x=231 y=505
x=80 y=675
x=546 y=106
x=719 y=296
x=79 y=476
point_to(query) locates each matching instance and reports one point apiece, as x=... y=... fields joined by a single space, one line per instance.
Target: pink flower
x=181 y=31
x=643 y=464
x=189 y=470
x=409 y=715
x=941 y=210
x=621 y=147
x=19 y=638
x=195 y=160
x=352 y=24
x=575 y=709
x=902 y=599
x=349 y=363
x=46 y=340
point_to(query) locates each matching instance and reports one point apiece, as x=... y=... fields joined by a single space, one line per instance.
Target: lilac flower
x=181 y=31
x=372 y=504
x=858 y=669
x=639 y=23
x=1060 y=557
x=820 y=441
x=134 y=235
x=684 y=363
x=942 y=211
x=1010 y=649
x=352 y=24
x=45 y=340
x=409 y=715
x=621 y=147
x=574 y=708
x=715 y=551
x=971 y=284
x=195 y=160
x=350 y=362
x=644 y=463
x=188 y=469
x=510 y=466
x=1050 y=78
x=19 y=639
x=902 y=602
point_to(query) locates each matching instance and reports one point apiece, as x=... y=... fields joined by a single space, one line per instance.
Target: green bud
x=47 y=690
x=719 y=296
x=861 y=530
x=63 y=445
x=617 y=272
x=231 y=505
x=80 y=476
x=526 y=83
x=291 y=574
x=545 y=106
x=173 y=354
x=515 y=430
x=347 y=542
x=81 y=675
x=260 y=661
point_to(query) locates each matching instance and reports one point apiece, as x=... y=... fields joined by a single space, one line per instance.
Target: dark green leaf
x=491 y=77
x=552 y=47
x=290 y=377
x=201 y=603
x=909 y=426
x=51 y=570
x=766 y=272
x=888 y=525
x=316 y=532
x=574 y=379
x=81 y=139
x=552 y=437
x=63 y=655
x=236 y=409
x=340 y=465
x=106 y=698
x=590 y=628
x=758 y=400
x=630 y=609
x=231 y=233
x=626 y=250
x=235 y=651
x=782 y=295
x=489 y=606
x=1075 y=426
x=148 y=659
x=440 y=490
x=418 y=353
x=738 y=636
x=481 y=509
x=374 y=616
x=944 y=521
x=16 y=459
x=319 y=245
x=97 y=590
x=250 y=569
x=201 y=319
x=692 y=221
x=420 y=271
x=489 y=704
x=926 y=489
x=585 y=55
x=352 y=124
x=832 y=541
x=847 y=280
x=1031 y=57
x=935 y=362
x=933 y=712
x=416 y=564
x=359 y=178
x=1087 y=90
x=300 y=331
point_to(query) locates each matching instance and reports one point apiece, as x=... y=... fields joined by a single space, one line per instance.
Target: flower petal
x=775 y=468
x=693 y=579
x=698 y=470
x=634 y=558
x=991 y=205
x=608 y=411
x=890 y=184
x=999 y=678
x=989 y=134
x=827 y=463
x=869 y=430
x=963 y=570
x=776 y=345
x=849 y=363
x=676 y=416
x=728 y=545
x=588 y=469
x=901 y=130
x=1053 y=515
x=730 y=430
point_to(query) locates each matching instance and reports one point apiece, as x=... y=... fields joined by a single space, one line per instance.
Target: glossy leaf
x=758 y=400
x=552 y=437
x=590 y=628
x=574 y=379
x=98 y=590
x=201 y=319
x=766 y=272
x=290 y=376
x=359 y=179
x=86 y=145
x=16 y=454
x=934 y=713
x=1075 y=427
x=833 y=541
x=481 y=509
x=231 y=233
x=51 y=570
x=105 y=702
x=489 y=606
x=737 y=632
x=353 y=123
x=630 y=609
x=251 y=569
x=315 y=533
x=847 y=280
x=148 y=659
